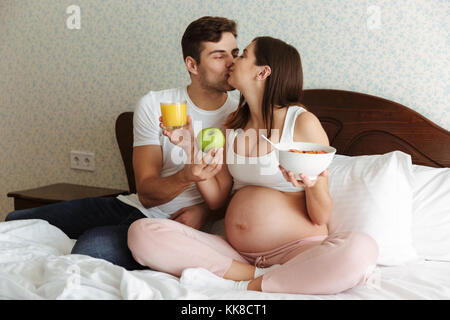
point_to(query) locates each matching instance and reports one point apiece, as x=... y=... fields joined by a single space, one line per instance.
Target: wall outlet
x=82 y=160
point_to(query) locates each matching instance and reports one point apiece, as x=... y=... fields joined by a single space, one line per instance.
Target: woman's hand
x=305 y=182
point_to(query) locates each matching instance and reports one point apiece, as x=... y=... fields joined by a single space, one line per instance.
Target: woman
x=272 y=220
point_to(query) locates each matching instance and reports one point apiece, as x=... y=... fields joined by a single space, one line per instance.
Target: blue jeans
x=100 y=226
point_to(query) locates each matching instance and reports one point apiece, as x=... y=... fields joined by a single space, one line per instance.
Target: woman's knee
x=137 y=232
x=144 y=233
x=363 y=243
x=361 y=252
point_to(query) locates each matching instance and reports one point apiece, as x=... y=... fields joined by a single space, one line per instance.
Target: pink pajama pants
x=331 y=265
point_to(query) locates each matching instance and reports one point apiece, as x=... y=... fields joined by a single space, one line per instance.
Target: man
x=166 y=187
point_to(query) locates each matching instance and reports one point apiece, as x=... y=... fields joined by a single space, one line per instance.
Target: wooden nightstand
x=58 y=192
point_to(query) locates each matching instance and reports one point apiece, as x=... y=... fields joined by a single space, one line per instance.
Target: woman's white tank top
x=263 y=171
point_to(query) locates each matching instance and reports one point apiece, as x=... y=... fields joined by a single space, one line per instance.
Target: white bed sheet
x=35 y=264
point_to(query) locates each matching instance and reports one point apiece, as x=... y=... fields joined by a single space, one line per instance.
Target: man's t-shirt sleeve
x=146 y=128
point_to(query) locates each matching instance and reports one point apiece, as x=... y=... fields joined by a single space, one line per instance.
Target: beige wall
x=61 y=89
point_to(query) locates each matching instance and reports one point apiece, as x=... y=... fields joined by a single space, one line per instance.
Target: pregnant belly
x=261 y=219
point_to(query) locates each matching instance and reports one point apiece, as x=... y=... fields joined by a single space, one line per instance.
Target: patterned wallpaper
x=63 y=80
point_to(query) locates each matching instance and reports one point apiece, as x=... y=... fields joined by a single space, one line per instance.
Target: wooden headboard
x=361 y=124
x=356 y=124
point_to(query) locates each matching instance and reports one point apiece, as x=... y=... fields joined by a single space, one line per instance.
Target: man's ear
x=191 y=65
x=264 y=73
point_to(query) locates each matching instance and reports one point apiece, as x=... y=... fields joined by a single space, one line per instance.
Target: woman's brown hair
x=284 y=86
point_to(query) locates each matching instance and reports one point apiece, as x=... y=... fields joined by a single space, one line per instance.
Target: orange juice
x=174 y=114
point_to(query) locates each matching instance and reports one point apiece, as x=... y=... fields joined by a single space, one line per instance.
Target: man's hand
x=194 y=216
x=200 y=167
x=182 y=137
x=209 y=165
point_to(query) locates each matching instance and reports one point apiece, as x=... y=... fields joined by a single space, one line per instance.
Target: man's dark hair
x=204 y=29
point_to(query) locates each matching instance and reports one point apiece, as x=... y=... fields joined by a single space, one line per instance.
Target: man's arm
x=153 y=190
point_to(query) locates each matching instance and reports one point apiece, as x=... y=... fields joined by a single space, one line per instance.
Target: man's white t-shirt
x=146 y=131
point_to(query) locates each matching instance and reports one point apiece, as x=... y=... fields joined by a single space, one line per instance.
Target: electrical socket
x=82 y=160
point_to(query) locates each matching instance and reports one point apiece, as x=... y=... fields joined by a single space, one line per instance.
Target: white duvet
x=35 y=263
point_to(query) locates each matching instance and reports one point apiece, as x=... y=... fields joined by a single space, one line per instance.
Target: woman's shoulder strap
x=289 y=123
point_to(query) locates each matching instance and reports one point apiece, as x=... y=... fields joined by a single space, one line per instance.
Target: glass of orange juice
x=174 y=114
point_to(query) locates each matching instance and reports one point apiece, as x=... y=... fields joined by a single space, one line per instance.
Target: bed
x=382 y=146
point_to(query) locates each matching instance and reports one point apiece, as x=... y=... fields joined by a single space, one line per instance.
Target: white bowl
x=309 y=164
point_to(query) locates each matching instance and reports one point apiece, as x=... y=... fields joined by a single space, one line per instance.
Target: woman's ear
x=191 y=65
x=264 y=73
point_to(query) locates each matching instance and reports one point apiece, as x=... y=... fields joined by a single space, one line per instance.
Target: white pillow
x=431 y=212
x=373 y=194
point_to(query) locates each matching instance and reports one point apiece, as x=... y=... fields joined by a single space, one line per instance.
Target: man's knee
x=101 y=241
x=108 y=243
x=86 y=244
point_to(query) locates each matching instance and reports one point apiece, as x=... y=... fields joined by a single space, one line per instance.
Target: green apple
x=210 y=138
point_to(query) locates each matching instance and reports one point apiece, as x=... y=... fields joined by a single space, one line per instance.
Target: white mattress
x=35 y=264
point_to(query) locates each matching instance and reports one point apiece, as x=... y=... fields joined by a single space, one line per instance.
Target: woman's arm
x=318 y=200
